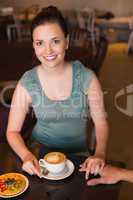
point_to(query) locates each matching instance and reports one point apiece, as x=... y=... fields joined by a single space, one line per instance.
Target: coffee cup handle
x=41 y=163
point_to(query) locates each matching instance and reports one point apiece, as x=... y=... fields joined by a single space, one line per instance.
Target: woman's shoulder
x=28 y=78
x=82 y=68
x=84 y=74
x=29 y=73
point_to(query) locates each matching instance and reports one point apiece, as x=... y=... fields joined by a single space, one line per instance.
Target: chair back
x=18 y=31
x=86 y=20
x=79 y=38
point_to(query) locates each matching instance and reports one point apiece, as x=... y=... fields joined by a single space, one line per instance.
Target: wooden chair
x=18 y=31
x=86 y=20
x=79 y=38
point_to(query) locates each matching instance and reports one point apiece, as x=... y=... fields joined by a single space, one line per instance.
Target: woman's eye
x=39 y=43
x=56 y=41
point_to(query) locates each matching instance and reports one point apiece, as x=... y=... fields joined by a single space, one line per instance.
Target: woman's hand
x=31 y=165
x=92 y=165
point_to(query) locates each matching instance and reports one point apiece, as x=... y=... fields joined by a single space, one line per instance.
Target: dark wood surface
x=71 y=188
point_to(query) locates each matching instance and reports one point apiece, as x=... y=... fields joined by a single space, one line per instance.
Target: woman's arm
x=97 y=111
x=18 y=111
x=95 y=163
x=19 y=108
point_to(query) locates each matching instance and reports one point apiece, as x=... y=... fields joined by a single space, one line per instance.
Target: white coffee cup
x=54 y=162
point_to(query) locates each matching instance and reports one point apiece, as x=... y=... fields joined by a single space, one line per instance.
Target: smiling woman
x=64 y=95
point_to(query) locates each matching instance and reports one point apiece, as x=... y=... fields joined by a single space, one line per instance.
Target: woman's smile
x=50 y=57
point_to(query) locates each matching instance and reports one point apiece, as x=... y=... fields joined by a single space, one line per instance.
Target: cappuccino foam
x=55 y=157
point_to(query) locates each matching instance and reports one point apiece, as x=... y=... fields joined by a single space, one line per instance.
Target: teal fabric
x=61 y=124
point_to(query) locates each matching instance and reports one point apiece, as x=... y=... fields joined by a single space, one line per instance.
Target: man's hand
x=31 y=165
x=109 y=175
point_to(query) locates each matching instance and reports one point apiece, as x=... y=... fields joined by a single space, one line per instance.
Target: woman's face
x=50 y=44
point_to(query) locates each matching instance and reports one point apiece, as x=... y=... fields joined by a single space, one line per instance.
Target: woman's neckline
x=43 y=91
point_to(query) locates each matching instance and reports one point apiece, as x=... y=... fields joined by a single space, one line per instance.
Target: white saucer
x=64 y=174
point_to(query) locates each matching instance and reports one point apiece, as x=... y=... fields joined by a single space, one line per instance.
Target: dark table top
x=71 y=188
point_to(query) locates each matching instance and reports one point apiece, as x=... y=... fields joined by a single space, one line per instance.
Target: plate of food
x=12 y=184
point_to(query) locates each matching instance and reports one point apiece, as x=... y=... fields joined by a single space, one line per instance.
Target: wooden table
x=71 y=188
x=116 y=29
x=115 y=23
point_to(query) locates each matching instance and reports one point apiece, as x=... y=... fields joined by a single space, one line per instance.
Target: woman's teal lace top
x=61 y=124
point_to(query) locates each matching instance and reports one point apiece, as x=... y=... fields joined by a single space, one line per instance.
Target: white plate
x=64 y=174
x=17 y=194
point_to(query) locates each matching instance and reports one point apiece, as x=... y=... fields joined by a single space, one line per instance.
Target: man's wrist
x=126 y=175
